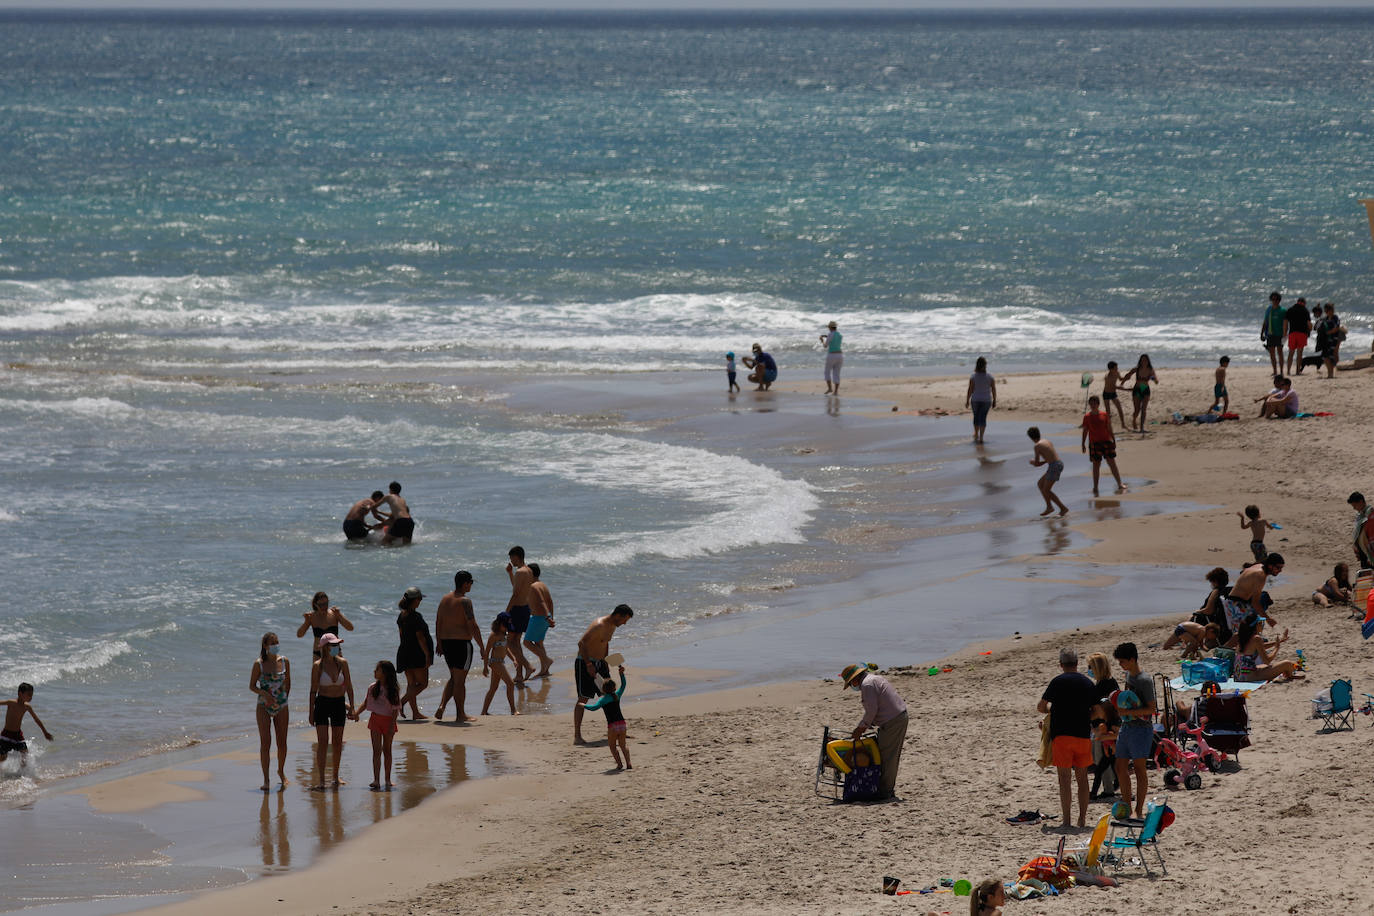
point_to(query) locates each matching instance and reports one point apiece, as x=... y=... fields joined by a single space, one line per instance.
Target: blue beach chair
x=1336 y=711
x=1139 y=833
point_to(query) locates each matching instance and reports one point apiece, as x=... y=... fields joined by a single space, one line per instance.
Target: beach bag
x=862 y=783
x=1205 y=669
x=1046 y=754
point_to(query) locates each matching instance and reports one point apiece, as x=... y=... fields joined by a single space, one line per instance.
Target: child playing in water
x=495 y=664
x=609 y=703
x=383 y=700
x=1109 y=395
x=1258 y=526
x=1219 y=393
x=1046 y=456
x=12 y=737
x=730 y=372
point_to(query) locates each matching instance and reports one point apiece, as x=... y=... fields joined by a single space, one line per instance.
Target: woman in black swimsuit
x=416 y=651
x=323 y=618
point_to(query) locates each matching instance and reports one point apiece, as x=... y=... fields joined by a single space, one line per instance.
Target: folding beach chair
x=1336 y=708
x=1139 y=833
x=834 y=767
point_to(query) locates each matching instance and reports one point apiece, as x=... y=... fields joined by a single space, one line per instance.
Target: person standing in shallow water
x=832 y=340
x=271 y=681
x=982 y=396
x=1046 y=456
x=1271 y=331
x=400 y=526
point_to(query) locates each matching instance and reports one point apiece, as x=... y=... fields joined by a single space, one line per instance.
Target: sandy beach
x=719 y=812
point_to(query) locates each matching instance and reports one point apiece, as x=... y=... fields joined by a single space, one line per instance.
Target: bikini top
x=335 y=681
x=320 y=631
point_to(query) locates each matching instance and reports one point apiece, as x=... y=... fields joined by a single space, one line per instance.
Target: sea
x=254 y=266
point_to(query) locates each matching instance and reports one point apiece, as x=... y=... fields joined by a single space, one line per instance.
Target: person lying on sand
x=1335 y=590
x=1194 y=637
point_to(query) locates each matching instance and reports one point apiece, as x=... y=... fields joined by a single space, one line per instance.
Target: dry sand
x=719 y=815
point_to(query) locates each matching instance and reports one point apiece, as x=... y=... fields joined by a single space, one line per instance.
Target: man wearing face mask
x=884 y=709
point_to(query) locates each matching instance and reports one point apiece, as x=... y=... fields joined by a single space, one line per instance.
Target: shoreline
x=1141 y=537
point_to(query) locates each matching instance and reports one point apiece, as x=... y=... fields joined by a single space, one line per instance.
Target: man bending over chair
x=886 y=710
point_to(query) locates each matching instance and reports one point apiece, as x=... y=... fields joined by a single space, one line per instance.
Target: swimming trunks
x=1297 y=340
x=770 y=376
x=1104 y=449
x=1219 y=391
x=1235 y=611
x=614 y=729
x=538 y=628
x=586 y=684
x=332 y=711
x=457 y=653
x=13 y=740
x=1109 y=395
x=354 y=529
x=1053 y=470
x=401 y=528
x=1257 y=548
x=520 y=618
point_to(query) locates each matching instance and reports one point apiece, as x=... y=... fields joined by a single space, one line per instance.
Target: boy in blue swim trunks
x=1220 y=396
x=541 y=620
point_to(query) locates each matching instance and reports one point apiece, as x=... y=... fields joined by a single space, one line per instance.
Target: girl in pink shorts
x=384 y=703
x=609 y=703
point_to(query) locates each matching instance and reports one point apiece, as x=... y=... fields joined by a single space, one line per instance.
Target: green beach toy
x=962 y=888
x=934 y=670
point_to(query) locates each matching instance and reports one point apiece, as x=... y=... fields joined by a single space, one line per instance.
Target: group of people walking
x=457 y=639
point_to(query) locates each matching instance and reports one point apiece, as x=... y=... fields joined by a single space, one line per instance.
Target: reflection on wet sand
x=534 y=698
x=414 y=781
x=1058 y=537
x=274 y=835
x=329 y=822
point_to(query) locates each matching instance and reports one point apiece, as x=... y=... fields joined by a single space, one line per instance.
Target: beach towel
x=1179 y=683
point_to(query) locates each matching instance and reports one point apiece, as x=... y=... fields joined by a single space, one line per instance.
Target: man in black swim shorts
x=518 y=607
x=355 y=528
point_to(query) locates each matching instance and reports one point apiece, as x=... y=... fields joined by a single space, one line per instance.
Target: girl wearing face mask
x=271 y=681
x=331 y=703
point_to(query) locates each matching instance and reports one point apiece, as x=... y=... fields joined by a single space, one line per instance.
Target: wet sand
x=719 y=814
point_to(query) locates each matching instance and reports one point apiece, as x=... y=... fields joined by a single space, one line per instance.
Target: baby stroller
x=835 y=770
x=1225 y=721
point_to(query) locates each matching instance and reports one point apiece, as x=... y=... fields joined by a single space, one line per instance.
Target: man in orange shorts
x=1069 y=699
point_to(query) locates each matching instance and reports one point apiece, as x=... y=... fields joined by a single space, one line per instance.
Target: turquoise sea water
x=253 y=267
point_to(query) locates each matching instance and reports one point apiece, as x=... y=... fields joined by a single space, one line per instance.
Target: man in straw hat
x=886 y=710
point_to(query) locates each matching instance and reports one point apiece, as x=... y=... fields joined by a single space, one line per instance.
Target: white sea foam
x=37 y=666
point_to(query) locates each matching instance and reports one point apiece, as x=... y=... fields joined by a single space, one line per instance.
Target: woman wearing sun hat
x=884 y=709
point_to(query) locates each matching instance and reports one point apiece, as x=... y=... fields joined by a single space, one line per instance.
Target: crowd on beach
x=458 y=640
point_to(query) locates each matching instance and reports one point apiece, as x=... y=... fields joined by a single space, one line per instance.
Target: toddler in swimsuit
x=1258 y=526
x=609 y=703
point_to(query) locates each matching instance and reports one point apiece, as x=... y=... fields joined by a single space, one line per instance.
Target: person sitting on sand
x=354 y=526
x=1282 y=403
x=12 y=736
x=765 y=368
x=1335 y=590
x=1212 y=610
x=987 y=898
x=1255 y=655
x=1046 y=455
x=1194 y=637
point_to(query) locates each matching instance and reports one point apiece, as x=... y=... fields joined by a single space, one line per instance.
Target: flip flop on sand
x=1030 y=817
